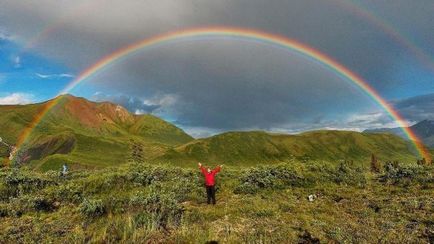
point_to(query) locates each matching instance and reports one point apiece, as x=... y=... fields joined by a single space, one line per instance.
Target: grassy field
x=134 y=179
x=142 y=202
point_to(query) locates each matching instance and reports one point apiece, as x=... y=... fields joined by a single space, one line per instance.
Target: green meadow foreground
x=140 y=202
x=133 y=178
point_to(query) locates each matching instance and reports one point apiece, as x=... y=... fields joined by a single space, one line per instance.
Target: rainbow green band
x=245 y=34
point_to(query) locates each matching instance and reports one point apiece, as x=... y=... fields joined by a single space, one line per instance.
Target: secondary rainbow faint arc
x=393 y=33
x=249 y=34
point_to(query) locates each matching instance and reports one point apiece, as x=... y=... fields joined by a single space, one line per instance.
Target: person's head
x=208 y=170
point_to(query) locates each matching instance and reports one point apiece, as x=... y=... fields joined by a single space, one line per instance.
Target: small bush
x=92 y=208
x=143 y=220
x=4 y=212
x=264 y=213
x=52 y=174
x=22 y=182
x=185 y=187
x=68 y=192
x=144 y=175
x=271 y=177
x=246 y=188
x=6 y=192
x=405 y=175
x=162 y=208
x=346 y=173
x=40 y=203
x=395 y=173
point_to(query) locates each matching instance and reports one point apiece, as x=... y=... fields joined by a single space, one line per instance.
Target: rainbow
x=52 y=27
x=238 y=33
x=364 y=13
x=350 y=5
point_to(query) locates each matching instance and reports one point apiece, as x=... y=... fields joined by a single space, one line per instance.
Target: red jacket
x=210 y=177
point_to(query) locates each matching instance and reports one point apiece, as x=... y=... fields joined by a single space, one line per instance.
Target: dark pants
x=210 y=193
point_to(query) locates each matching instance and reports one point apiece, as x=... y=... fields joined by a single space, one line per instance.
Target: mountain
x=90 y=133
x=424 y=130
x=254 y=147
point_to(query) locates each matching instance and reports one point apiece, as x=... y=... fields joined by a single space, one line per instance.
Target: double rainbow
x=243 y=34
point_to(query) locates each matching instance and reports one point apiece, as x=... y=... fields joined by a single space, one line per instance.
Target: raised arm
x=218 y=168
x=202 y=169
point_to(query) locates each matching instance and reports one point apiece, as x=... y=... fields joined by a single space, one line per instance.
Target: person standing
x=64 y=171
x=210 y=181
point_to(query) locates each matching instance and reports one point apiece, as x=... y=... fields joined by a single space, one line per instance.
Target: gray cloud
x=413 y=109
x=242 y=85
x=417 y=108
x=229 y=84
x=82 y=31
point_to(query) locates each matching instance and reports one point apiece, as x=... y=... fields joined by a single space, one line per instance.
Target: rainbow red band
x=244 y=34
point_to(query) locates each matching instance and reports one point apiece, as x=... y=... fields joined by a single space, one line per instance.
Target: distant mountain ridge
x=90 y=134
x=259 y=147
x=424 y=130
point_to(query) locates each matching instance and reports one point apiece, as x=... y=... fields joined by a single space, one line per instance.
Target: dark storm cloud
x=83 y=31
x=227 y=84
x=417 y=108
x=244 y=86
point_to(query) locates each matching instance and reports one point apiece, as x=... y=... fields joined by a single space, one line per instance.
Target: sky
x=211 y=85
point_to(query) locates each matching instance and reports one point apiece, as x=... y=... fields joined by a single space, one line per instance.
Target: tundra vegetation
x=134 y=179
x=160 y=202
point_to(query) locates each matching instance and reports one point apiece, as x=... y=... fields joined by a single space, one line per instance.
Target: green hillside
x=152 y=127
x=253 y=147
x=87 y=134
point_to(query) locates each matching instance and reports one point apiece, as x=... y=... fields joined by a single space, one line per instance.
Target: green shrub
x=185 y=187
x=70 y=192
x=53 y=174
x=162 y=208
x=6 y=192
x=92 y=208
x=397 y=174
x=19 y=181
x=116 y=204
x=246 y=188
x=28 y=203
x=144 y=175
x=143 y=220
x=271 y=177
x=4 y=211
x=346 y=173
x=43 y=204
x=264 y=213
